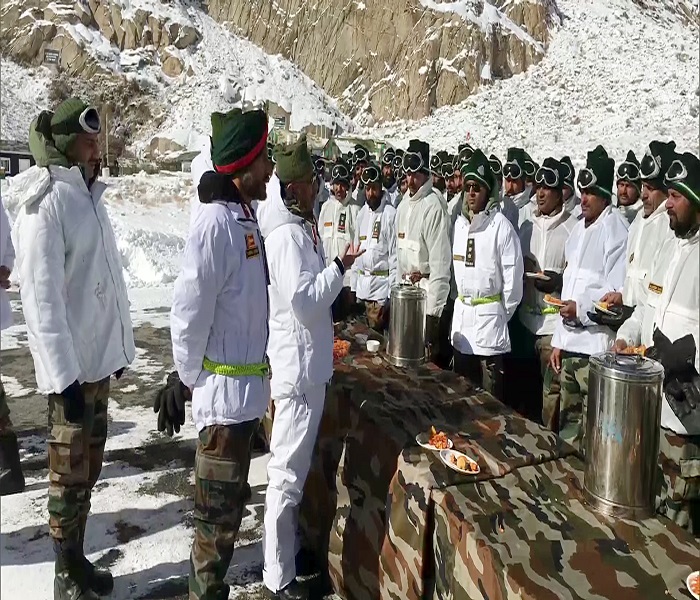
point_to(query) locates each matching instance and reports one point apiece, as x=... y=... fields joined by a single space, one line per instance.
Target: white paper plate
x=540 y=276
x=599 y=308
x=687 y=583
x=555 y=304
x=445 y=457
x=422 y=441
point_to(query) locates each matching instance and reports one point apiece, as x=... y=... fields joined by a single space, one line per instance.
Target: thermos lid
x=405 y=290
x=624 y=367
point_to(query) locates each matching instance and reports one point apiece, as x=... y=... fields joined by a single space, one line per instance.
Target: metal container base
x=406 y=363
x=611 y=509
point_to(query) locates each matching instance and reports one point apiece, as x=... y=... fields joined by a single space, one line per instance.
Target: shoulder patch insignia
x=402 y=235
x=341 y=223
x=376 y=230
x=656 y=289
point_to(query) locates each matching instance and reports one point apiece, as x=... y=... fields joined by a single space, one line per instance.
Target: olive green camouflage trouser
x=221 y=470
x=484 y=371
x=5 y=421
x=574 y=398
x=550 y=384
x=75 y=460
x=679 y=474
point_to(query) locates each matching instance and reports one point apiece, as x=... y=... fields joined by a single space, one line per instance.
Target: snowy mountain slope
x=620 y=73
x=23 y=93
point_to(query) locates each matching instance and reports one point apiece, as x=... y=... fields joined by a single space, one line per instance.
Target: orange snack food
x=462 y=463
x=438 y=439
x=640 y=350
x=695 y=585
x=340 y=349
x=552 y=300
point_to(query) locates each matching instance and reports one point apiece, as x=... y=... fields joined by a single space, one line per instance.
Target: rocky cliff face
x=399 y=58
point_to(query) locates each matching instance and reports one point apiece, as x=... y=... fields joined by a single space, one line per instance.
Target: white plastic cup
x=372 y=346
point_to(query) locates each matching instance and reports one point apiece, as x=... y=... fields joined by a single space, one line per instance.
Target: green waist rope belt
x=479 y=301
x=374 y=273
x=547 y=310
x=252 y=370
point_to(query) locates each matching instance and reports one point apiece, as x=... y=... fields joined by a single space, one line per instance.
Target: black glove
x=432 y=336
x=555 y=283
x=169 y=403
x=614 y=321
x=118 y=374
x=73 y=403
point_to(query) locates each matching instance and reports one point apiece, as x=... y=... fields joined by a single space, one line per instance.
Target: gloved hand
x=118 y=373
x=614 y=321
x=555 y=283
x=169 y=403
x=73 y=403
x=432 y=336
x=676 y=357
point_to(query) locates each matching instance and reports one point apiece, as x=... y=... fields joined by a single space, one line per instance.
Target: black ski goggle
x=628 y=171
x=388 y=160
x=360 y=155
x=650 y=167
x=496 y=166
x=412 y=162
x=569 y=171
x=398 y=161
x=512 y=170
x=370 y=174
x=530 y=168
x=676 y=172
x=447 y=170
x=586 y=179
x=435 y=164
x=340 y=172
x=547 y=177
x=465 y=154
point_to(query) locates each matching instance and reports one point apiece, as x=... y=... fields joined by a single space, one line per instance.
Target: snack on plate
x=549 y=299
x=604 y=305
x=630 y=350
x=462 y=463
x=694 y=584
x=341 y=348
x=438 y=439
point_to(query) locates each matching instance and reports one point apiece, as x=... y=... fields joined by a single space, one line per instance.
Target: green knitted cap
x=237 y=138
x=294 y=161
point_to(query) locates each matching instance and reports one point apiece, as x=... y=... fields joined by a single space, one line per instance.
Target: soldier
x=530 y=167
x=77 y=313
x=543 y=238
x=219 y=335
x=423 y=242
x=572 y=202
x=667 y=318
x=302 y=289
x=515 y=187
x=488 y=268
x=11 y=477
x=391 y=185
x=595 y=265
x=376 y=269
x=629 y=201
x=360 y=159
x=506 y=204
x=437 y=162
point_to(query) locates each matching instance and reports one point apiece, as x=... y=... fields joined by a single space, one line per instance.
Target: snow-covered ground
x=614 y=74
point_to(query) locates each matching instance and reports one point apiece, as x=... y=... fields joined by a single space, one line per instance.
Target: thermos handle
x=622 y=359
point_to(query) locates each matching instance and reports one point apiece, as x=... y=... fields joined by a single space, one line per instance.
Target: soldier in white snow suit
x=389 y=181
x=488 y=269
x=543 y=239
x=629 y=188
x=572 y=202
x=667 y=318
x=219 y=335
x=423 y=241
x=650 y=228
x=375 y=271
x=437 y=162
x=360 y=159
x=515 y=187
x=506 y=204
x=302 y=290
x=595 y=265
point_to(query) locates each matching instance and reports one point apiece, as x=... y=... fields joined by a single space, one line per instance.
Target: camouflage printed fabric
x=221 y=470
x=679 y=472
x=529 y=536
x=5 y=421
x=574 y=396
x=550 y=384
x=75 y=460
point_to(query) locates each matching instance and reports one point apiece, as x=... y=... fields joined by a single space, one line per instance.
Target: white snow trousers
x=294 y=432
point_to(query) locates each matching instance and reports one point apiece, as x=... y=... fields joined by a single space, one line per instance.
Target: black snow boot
x=100 y=580
x=11 y=477
x=70 y=582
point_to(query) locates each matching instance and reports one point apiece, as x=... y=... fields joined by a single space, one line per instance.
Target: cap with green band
x=477 y=168
x=684 y=176
x=237 y=138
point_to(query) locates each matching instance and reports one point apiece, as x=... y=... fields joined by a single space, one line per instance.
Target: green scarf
x=41 y=143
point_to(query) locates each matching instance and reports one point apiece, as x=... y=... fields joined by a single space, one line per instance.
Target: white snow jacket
x=375 y=271
x=423 y=244
x=338 y=225
x=71 y=282
x=629 y=213
x=7 y=259
x=393 y=195
x=200 y=165
x=645 y=239
x=573 y=205
x=672 y=304
x=220 y=312
x=302 y=290
x=523 y=202
x=488 y=268
x=595 y=265
x=510 y=211
x=543 y=240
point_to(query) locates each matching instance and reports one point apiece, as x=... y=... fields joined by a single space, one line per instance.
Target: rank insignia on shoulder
x=656 y=289
x=251 y=248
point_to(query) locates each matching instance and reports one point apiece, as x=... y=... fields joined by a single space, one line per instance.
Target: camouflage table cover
x=529 y=535
x=373 y=412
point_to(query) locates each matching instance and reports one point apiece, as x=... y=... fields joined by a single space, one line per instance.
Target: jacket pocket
x=491 y=327
x=410 y=254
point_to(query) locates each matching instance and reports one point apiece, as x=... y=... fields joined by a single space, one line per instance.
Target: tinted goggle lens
x=340 y=172
x=412 y=162
x=677 y=171
x=649 y=167
x=628 y=171
x=586 y=179
x=547 y=177
x=512 y=171
x=370 y=175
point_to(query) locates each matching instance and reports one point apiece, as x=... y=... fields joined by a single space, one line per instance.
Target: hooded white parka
x=543 y=239
x=595 y=265
x=338 y=226
x=629 y=213
x=7 y=259
x=375 y=271
x=423 y=244
x=302 y=290
x=645 y=239
x=488 y=268
x=71 y=282
x=220 y=311
x=672 y=304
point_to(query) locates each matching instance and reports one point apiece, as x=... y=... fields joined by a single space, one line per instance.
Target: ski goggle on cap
x=360 y=155
x=370 y=175
x=586 y=179
x=412 y=162
x=547 y=177
x=89 y=120
x=340 y=172
x=628 y=171
x=512 y=170
x=650 y=167
x=388 y=159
